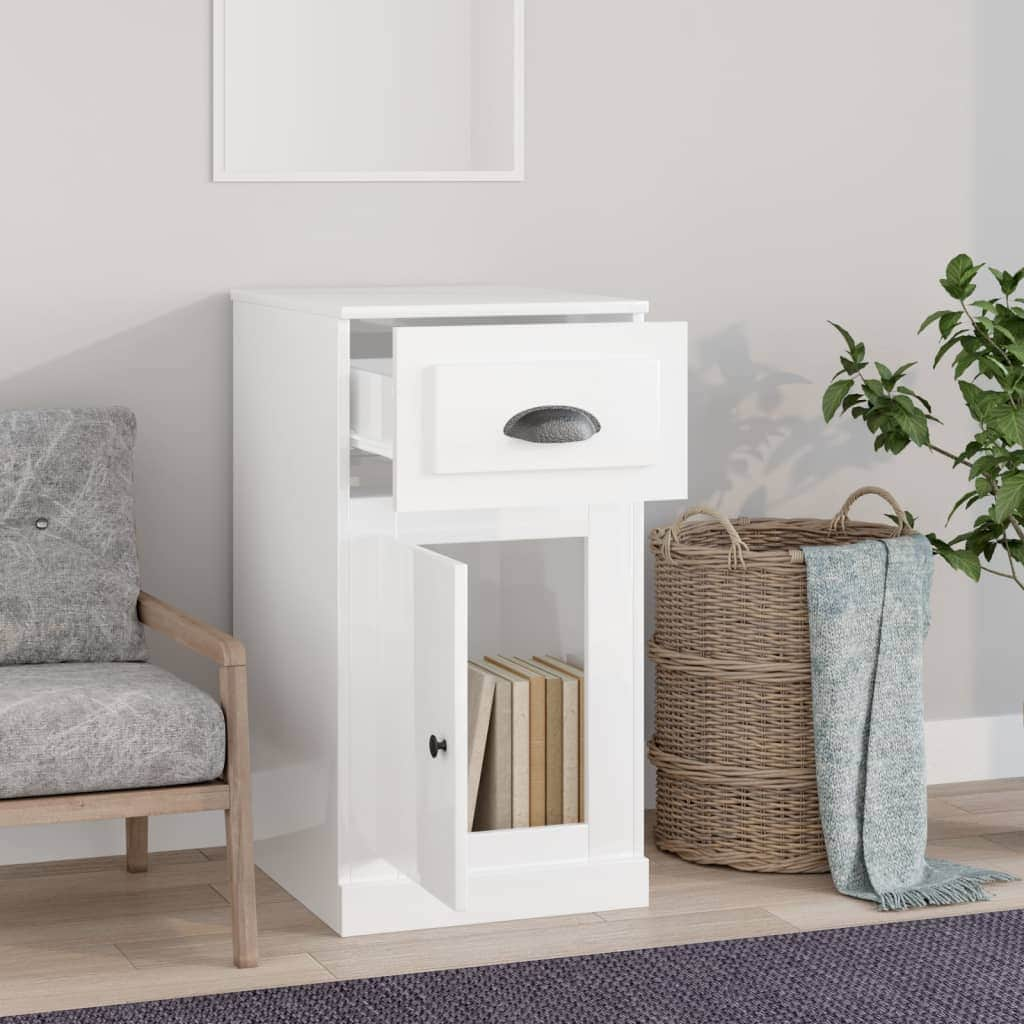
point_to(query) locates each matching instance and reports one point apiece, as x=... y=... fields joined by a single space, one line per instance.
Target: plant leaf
x=1008 y=497
x=1007 y=282
x=948 y=322
x=908 y=515
x=1005 y=332
x=850 y=343
x=959 y=267
x=833 y=397
x=913 y=394
x=932 y=317
x=943 y=349
x=963 y=362
x=964 y=561
x=960 y=272
x=974 y=398
x=961 y=501
x=1015 y=549
x=1008 y=422
x=909 y=419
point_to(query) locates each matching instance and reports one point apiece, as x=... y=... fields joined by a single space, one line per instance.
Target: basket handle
x=838 y=524
x=737 y=545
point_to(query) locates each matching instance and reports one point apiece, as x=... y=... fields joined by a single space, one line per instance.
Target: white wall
x=754 y=168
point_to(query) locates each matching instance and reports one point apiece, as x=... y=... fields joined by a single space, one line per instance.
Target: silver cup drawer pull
x=553 y=424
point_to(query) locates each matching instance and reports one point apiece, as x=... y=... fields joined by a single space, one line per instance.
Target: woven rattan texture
x=733 y=743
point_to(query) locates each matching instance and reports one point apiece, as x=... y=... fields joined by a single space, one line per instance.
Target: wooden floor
x=84 y=933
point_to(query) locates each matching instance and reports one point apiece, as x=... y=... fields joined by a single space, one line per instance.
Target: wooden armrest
x=197 y=636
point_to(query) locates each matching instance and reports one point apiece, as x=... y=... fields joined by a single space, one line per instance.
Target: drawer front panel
x=458 y=388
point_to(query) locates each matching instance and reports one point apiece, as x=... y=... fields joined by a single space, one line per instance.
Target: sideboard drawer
x=545 y=414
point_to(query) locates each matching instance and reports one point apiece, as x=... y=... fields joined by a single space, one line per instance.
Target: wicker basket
x=733 y=743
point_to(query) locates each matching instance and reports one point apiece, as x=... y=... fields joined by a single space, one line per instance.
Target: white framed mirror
x=368 y=90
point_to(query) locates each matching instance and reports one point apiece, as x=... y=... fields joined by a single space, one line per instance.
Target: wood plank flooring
x=85 y=933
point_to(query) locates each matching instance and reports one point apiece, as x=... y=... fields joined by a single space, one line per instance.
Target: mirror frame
x=515 y=173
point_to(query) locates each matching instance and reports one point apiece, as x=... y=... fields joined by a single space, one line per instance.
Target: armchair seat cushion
x=90 y=727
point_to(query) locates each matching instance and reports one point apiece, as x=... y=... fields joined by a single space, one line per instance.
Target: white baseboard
x=369 y=908
x=969 y=749
x=32 y=843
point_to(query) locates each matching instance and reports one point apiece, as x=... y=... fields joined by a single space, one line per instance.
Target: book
x=553 y=780
x=520 y=687
x=558 y=663
x=481 y=687
x=494 y=800
x=554 y=758
x=571 y=809
x=538 y=737
x=574 y=672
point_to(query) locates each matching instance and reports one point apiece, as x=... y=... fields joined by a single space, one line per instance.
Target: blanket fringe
x=959 y=890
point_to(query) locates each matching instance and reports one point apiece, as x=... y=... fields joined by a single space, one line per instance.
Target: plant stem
x=1017 y=528
x=967 y=313
x=1013 y=570
x=1009 y=554
x=942 y=451
x=1005 y=575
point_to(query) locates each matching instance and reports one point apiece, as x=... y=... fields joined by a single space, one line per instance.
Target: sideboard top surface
x=430 y=301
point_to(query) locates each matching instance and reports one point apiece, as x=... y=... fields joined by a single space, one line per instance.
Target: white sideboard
x=389 y=524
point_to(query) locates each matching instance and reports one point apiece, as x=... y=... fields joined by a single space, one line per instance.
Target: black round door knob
x=436 y=745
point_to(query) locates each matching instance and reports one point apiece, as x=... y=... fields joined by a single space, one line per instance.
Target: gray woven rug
x=955 y=970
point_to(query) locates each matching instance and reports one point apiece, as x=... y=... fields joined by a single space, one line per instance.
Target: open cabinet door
x=419 y=680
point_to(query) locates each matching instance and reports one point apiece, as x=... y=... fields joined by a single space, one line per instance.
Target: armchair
x=88 y=729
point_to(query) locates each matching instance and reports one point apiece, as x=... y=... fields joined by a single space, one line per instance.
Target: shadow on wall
x=747 y=426
x=175 y=373
x=742 y=428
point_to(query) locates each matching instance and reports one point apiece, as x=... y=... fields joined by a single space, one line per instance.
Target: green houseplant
x=984 y=340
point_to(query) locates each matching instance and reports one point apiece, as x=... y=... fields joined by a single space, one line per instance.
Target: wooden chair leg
x=238 y=818
x=136 y=833
x=242 y=879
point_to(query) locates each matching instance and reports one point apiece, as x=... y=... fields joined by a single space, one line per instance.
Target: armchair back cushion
x=69 y=572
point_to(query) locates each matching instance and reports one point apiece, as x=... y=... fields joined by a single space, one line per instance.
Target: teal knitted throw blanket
x=869 y=613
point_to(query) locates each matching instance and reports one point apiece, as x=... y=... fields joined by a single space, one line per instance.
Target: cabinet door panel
x=439 y=678
x=419 y=681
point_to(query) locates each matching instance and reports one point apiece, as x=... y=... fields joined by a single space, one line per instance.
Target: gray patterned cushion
x=85 y=728
x=68 y=591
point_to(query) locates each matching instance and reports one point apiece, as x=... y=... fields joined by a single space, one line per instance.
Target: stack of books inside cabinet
x=525 y=742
